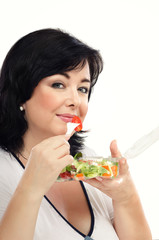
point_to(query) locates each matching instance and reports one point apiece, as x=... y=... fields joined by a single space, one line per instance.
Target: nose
x=73 y=98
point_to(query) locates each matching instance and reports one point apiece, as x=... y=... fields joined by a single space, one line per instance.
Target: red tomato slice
x=76 y=119
x=65 y=175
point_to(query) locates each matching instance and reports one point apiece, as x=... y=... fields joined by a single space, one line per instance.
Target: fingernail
x=115 y=141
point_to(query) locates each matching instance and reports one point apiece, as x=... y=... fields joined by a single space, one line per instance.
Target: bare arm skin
x=129 y=219
x=46 y=161
x=21 y=215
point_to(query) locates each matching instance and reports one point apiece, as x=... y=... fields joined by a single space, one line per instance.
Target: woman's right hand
x=45 y=163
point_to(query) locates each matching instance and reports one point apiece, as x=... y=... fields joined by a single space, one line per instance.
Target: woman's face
x=55 y=101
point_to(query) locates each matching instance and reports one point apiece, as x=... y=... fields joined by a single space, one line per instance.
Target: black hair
x=35 y=56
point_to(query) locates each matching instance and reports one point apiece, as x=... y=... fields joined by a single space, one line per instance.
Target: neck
x=30 y=140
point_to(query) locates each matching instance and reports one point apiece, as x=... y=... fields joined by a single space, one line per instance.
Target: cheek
x=48 y=100
x=84 y=110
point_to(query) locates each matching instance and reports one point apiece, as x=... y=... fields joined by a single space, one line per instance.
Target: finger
x=59 y=141
x=99 y=183
x=62 y=151
x=94 y=182
x=67 y=137
x=54 y=142
x=123 y=166
x=114 y=149
x=66 y=160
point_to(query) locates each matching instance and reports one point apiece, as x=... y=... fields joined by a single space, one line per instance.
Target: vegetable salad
x=84 y=168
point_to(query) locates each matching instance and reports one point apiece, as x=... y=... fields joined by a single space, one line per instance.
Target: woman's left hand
x=120 y=189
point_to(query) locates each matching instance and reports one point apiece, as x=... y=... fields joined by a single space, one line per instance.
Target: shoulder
x=5 y=160
x=10 y=170
x=10 y=174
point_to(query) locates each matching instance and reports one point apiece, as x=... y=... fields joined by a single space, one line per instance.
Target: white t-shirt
x=50 y=223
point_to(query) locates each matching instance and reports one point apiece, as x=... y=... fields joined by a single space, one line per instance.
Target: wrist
x=29 y=191
x=128 y=201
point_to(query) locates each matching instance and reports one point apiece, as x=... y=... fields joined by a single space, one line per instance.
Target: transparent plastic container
x=90 y=167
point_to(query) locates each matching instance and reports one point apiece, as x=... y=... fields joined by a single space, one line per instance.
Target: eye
x=58 y=85
x=84 y=90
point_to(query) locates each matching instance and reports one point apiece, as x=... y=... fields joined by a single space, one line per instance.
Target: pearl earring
x=21 y=108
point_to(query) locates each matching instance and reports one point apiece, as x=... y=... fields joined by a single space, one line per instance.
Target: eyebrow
x=68 y=77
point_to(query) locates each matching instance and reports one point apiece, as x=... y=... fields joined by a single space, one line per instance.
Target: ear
x=24 y=106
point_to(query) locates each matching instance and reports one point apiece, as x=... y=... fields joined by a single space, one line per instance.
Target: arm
x=40 y=173
x=20 y=217
x=129 y=220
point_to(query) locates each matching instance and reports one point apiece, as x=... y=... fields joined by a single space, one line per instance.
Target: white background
x=125 y=102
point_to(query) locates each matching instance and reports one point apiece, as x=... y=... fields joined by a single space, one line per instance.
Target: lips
x=65 y=117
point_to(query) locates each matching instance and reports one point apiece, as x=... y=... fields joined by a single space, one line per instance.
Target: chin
x=59 y=132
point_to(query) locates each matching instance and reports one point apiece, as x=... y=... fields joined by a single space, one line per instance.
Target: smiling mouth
x=65 y=117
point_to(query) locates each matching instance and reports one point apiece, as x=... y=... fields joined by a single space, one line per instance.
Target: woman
x=46 y=79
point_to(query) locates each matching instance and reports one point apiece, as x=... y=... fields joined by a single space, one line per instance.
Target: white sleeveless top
x=50 y=223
